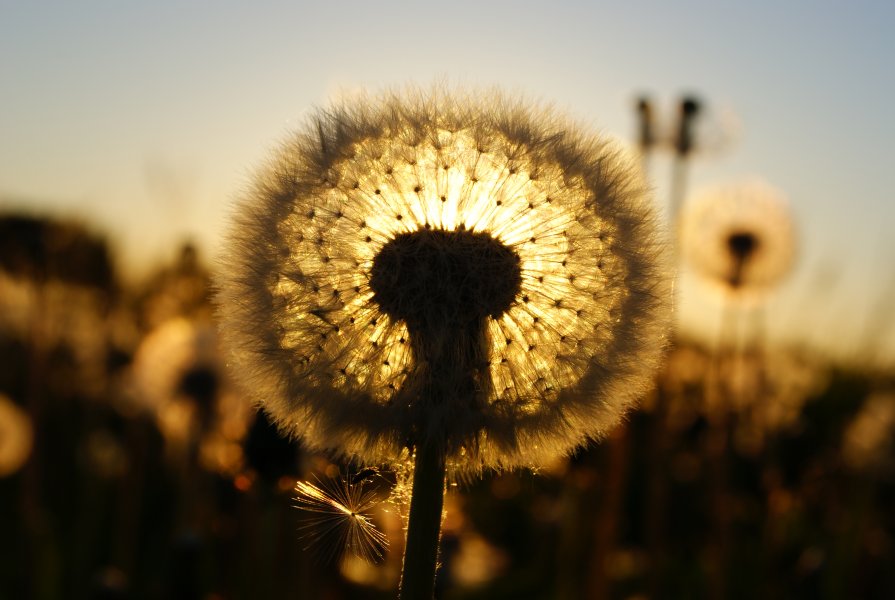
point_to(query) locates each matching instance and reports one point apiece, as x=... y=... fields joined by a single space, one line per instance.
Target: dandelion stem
x=424 y=524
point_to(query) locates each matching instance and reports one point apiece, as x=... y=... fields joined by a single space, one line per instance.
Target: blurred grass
x=757 y=473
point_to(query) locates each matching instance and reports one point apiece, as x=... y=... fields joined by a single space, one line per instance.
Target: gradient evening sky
x=147 y=119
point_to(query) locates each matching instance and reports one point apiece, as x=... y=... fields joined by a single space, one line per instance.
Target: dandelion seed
x=339 y=519
x=739 y=237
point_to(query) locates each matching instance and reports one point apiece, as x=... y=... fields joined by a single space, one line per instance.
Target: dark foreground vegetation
x=130 y=467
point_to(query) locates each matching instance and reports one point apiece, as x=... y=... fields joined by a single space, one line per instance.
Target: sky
x=148 y=119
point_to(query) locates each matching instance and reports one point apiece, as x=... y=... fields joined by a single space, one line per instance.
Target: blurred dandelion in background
x=462 y=277
x=697 y=128
x=179 y=378
x=739 y=237
x=57 y=282
x=16 y=436
x=338 y=518
x=181 y=289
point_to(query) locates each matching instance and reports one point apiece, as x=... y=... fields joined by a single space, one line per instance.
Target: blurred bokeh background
x=762 y=464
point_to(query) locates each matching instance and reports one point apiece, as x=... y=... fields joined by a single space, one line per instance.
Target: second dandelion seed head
x=739 y=237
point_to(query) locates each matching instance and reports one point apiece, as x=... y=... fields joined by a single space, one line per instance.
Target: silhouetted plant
x=45 y=249
x=464 y=278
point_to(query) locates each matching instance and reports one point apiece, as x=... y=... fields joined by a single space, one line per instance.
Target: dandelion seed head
x=393 y=221
x=179 y=379
x=739 y=237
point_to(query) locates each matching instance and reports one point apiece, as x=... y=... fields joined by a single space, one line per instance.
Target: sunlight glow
x=453 y=183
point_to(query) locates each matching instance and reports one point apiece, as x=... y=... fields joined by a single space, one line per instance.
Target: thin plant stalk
x=678 y=184
x=718 y=439
x=610 y=509
x=646 y=133
x=657 y=492
x=683 y=146
x=424 y=524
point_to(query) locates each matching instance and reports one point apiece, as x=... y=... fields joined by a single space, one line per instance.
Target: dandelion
x=176 y=290
x=180 y=379
x=16 y=437
x=339 y=519
x=458 y=215
x=56 y=283
x=462 y=277
x=740 y=237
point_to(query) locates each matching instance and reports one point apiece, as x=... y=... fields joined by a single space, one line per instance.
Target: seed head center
x=433 y=279
x=742 y=244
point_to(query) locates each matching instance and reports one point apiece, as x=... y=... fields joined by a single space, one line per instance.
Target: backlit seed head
x=739 y=237
x=475 y=271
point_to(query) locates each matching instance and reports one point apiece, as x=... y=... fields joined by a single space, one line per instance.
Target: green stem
x=424 y=525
